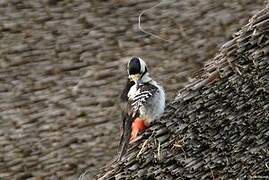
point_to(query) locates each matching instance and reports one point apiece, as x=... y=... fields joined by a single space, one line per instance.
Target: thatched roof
x=218 y=125
x=48 y=46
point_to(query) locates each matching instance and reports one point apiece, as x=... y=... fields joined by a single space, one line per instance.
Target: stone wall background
x=50 y=131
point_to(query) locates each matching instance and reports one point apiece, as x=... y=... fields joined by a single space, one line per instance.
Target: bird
x=144 y=101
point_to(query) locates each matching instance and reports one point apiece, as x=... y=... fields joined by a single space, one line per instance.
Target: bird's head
x=137 y=69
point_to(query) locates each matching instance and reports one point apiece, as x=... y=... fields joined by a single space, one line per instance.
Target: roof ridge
x=224 y=57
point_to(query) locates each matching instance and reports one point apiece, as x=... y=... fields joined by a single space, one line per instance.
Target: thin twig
x=212 y=174
x=142 y=148
x=147 y=32
x=81 y=177
x=144 y=145
x=182 y=142
x=159 y=151
x=267 y=166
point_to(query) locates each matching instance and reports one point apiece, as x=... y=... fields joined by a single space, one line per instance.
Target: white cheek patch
x=142 y=65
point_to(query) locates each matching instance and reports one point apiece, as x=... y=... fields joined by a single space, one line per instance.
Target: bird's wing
x=126 y=134
x=132 y=112
x=147 y=91
x=124 y=94
x=124 y=105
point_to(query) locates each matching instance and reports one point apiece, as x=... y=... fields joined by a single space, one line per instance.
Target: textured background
x=218 y=125
x=48 y=130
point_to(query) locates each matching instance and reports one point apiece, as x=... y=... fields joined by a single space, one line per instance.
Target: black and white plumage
x=145 y=100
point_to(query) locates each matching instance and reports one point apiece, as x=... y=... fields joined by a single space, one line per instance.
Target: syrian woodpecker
x=145 y=101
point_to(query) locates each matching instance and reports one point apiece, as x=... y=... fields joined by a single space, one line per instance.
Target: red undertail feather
x=138 y=125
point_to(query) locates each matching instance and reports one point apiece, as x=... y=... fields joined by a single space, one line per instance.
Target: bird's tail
x=125 y=137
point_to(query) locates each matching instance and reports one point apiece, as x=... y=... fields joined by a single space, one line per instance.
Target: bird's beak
x=134 y=77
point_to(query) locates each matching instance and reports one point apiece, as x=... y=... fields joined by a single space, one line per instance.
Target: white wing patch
x=142 y=97
x=139 y=99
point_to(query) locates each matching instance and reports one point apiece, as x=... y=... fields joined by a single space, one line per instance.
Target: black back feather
x=131 y=112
